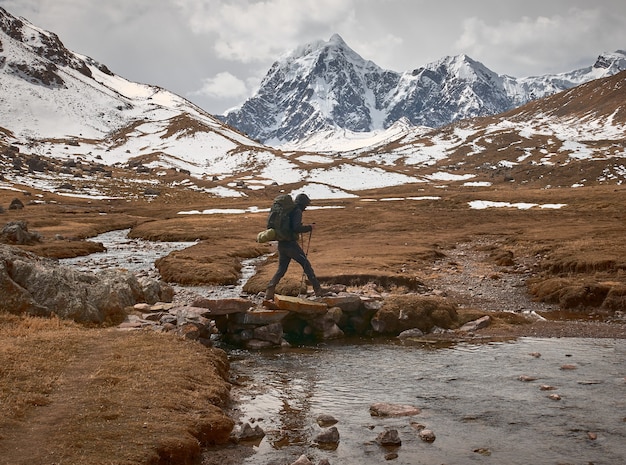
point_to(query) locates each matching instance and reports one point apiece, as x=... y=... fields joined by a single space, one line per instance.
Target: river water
x=471 y=395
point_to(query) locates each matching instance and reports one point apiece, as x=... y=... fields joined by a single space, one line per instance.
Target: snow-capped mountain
x=69 y=126
x=61 y=104
x=326 y=86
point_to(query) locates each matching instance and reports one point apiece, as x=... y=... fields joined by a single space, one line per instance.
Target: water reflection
x=471 y=396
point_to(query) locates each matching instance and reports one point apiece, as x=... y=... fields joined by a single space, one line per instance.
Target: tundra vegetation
x=72 y=393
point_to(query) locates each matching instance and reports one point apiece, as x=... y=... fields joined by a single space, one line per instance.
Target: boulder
x=411 y=333
x=427 y=435
x=475 y=325
x=325 y=420
x=16 y=204
x=325 y=326
x=38 y=286
x=259 y=316
x=16 y=232
x=223 y=306
x=271 y=333
x=348 y=303
x=399 y=313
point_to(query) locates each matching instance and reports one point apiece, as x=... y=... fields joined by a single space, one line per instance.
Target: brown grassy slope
x=71 y=395
x=390 y=242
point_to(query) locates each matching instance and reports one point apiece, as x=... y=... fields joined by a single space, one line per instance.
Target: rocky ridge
x=325 y=86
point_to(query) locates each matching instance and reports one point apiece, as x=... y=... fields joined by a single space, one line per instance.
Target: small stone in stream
x=248 y=433
x=330 y=436
x=326 y=420
x=427 y=435
x=389 y=437
x=547 y=387
x=302 y=460
x=383 y=409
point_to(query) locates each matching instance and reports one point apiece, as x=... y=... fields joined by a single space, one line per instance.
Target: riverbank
x=75 y=395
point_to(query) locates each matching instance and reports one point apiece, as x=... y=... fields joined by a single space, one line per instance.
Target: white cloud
x=537 y=43
x=223 y=85
x=249 y=31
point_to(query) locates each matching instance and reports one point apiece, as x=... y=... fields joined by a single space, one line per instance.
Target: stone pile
x=255 y=324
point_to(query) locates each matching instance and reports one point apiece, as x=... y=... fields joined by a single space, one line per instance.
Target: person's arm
x=296 y=222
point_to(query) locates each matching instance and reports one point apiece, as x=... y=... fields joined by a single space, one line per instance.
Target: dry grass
x=103 y=396
x=150 y=398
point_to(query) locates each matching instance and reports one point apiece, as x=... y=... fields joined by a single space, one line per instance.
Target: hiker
x=289 y=249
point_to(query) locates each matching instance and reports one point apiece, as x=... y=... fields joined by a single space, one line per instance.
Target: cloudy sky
x=215 y=52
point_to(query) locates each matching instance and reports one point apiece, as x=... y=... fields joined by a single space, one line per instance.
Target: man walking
x=290 y=249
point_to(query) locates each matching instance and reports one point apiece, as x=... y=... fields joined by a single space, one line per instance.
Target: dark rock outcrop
x=36 y=286
x=16 y=232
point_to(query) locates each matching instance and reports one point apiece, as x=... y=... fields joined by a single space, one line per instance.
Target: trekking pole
x=309 y=243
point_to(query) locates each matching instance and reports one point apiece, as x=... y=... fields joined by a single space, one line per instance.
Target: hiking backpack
x=279 y=218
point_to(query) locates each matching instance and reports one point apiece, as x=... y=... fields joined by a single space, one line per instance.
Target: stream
x=483 y=401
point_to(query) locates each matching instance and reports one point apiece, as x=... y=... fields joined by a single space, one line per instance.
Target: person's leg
x=284 y=259
x=299 y=256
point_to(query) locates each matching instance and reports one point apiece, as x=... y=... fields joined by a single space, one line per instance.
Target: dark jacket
x=296 y=223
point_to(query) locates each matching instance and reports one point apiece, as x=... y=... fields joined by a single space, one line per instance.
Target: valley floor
x=75 y=395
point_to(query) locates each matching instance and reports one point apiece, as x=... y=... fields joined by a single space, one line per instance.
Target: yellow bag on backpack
x=266 y=236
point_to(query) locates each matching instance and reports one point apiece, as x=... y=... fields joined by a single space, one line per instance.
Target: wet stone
x=330 y=436
x=249 y=433
x=547 y=387
x=383 y=409
x=411 y=333
x=302 y=460
x=389 y=437
x=326 y=420
x=427 y=435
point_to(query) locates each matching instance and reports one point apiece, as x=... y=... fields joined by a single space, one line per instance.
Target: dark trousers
x=288 y=250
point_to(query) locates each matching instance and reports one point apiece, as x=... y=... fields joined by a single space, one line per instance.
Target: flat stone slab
x=383 y=409
x=218 y=307
x=348 y=303
x=300 y=306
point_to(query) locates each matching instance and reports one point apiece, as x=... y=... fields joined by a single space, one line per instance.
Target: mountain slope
x=70 y=126
x=57 y=103
x=326 y=86
x=572 y=138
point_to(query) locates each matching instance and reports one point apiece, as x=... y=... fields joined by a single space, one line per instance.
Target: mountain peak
x=337 y=40
x=609 y=60
x=325 y=85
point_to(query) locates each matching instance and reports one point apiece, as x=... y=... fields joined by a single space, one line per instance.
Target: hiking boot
x=269 y=292
x=321 y=292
